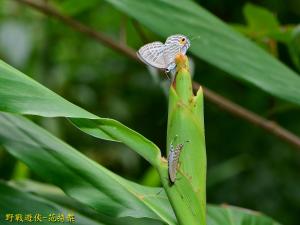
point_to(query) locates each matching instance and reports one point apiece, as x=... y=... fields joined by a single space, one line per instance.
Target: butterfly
x=173 y=160
x=162 y=56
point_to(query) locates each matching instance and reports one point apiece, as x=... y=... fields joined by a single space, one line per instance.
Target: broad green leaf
x=216 y=215
x=52 y=200
x=91 y=184
x=114 y=130
x=80 y=177
x=20 y=94
x=54 y=194
x=14 y=201
x=216 y=43
x=260 y=19
x=230 y=215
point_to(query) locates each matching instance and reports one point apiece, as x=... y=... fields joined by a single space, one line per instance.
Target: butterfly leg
x=170 y=67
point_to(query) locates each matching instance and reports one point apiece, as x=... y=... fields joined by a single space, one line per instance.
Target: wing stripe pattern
x=162 y=56
x=153 y=54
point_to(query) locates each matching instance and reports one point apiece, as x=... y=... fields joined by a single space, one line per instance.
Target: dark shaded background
x=247 y=167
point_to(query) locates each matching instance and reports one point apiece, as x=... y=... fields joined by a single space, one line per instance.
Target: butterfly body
x=173 y=160
x=162 y=56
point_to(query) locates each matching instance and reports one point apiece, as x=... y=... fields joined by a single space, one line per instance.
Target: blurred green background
x=247 y=167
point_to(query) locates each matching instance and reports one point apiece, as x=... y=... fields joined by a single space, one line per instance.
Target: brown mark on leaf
x=142 y=197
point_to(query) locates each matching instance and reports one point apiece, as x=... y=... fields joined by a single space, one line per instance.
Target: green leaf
x=216 y=215
x=45 y=199
x=216 y=43
x=110 y=129
x=20 y=94
x=54 y=194
x=260 y=19
x=89 y=183
x=14 y=201
x=230 y=215
x=80 y=177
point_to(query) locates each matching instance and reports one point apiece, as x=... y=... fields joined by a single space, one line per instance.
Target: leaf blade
x=10 y=199
x=21 y=94
x=78 y=176
x=218 y=44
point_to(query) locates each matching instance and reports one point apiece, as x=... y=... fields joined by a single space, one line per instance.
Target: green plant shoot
x=185 y=122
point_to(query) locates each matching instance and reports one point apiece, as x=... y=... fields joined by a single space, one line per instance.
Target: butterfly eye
x=182 y=41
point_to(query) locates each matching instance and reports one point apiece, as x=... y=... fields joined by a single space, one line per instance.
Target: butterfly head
x=185 y=43
x=181 y=40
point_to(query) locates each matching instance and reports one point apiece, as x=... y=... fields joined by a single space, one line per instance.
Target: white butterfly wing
x=172 y=49
x=153 y=54
x=170 y=53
